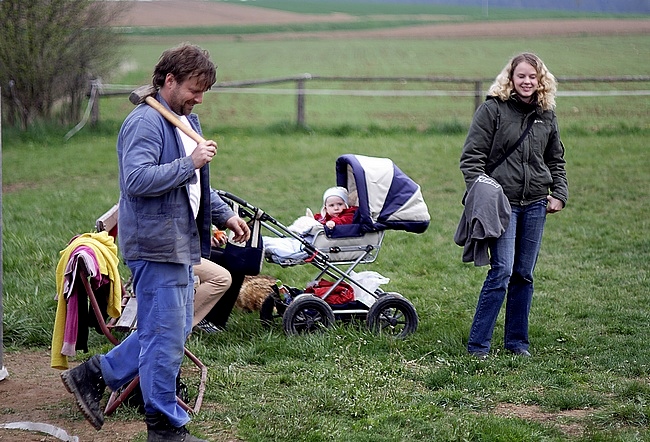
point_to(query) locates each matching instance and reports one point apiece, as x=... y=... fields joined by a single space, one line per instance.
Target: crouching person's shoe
x=86 y=382
x=159 y=429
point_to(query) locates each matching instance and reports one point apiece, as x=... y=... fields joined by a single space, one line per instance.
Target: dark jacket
x=530 y=172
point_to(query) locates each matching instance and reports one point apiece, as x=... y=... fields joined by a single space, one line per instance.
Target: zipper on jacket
x=525 y=157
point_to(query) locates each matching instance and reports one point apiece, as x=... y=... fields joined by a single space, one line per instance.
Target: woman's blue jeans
x=165 y=294
x=512 y=260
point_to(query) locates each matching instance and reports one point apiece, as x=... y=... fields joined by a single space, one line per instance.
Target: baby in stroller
x=335 y=208
x=335 y=211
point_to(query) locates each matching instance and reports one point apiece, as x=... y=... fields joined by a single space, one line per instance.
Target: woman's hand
x=554 y=205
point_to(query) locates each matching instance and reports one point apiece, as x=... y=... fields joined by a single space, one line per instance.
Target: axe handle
x=173 y=119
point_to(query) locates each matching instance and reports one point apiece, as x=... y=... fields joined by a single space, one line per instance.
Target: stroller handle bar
x=236 y=199
x=267 y=220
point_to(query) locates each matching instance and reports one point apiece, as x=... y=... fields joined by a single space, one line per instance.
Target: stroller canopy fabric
x=387 y=198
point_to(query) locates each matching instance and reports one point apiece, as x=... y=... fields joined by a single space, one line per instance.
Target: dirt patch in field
x=33 y=393
x=530 y=28
x=183 y=13
x=569 y=422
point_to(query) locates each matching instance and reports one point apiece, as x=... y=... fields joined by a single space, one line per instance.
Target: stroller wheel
x=272 y=309
x=394 y=315
x=307 y=314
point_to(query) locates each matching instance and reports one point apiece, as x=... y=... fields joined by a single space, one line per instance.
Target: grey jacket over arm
x=486 y=216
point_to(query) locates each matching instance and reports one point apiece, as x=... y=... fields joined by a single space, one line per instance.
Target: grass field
x=471 y=59
x=589 y=378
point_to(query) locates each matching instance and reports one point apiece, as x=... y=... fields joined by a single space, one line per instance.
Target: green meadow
x=589 y=377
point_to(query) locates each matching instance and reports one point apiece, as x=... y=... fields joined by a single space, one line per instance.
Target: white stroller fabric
x=387 y=198
x=279 y=250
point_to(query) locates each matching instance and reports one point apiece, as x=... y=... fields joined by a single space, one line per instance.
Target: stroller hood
x=387 y=198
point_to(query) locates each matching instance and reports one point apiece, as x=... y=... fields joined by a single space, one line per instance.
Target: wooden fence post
x=94 y=99
x=300 y=120
x=478 y=94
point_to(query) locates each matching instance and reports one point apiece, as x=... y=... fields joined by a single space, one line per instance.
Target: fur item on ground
x=253 y=292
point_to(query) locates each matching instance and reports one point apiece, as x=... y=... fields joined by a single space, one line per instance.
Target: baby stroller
x=387 y=199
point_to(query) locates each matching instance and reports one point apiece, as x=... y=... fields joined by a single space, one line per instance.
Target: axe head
x=140 y=94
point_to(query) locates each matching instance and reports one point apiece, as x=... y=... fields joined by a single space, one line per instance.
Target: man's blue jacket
x=155 y=219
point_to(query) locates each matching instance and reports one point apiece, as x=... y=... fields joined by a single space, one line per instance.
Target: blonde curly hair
x=547 y=84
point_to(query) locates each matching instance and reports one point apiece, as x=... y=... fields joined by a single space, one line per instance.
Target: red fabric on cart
x=342 y=294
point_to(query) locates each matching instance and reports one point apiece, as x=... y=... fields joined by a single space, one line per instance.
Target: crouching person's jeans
x=512 y=260
x=165 y=293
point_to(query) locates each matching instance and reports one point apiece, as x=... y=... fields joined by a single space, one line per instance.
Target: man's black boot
x=86 y=382
x=159 y=429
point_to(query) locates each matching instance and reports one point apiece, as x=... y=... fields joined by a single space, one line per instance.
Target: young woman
x=534 y=181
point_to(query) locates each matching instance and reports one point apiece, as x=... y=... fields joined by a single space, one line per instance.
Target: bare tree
x=49 y=52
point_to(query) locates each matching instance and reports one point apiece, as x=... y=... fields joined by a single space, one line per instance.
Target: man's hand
x=203 y=153
x=240 y=229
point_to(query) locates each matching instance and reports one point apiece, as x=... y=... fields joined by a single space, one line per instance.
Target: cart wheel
x=394 y=315
x=307 y=314
x=271 y=310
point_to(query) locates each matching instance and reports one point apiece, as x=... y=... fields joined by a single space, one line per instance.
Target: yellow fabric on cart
x=106 y=253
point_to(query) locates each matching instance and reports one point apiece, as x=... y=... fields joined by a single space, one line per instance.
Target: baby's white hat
x=341 y=192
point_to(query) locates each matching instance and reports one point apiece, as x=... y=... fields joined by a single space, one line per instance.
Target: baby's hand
x=330 y=224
